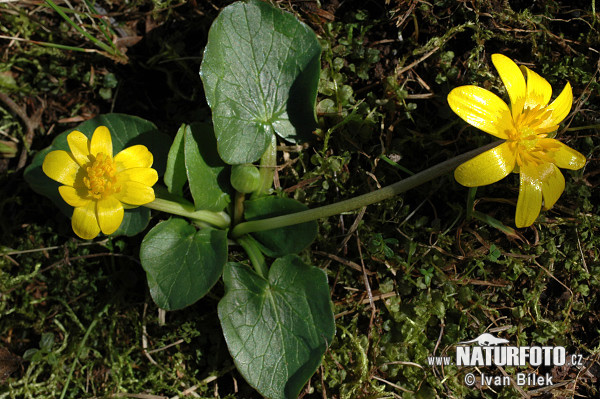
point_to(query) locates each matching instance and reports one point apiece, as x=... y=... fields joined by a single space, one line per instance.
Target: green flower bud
x=245 y=178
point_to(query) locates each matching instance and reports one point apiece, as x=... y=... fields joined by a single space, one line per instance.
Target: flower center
x=101 y=179
x=527 y=139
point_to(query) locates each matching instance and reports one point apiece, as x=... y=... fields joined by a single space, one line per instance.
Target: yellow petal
x=486 y=168
x=147 y=176
x=110 y=214
x=560 y=107
x=553 y=184
x=61 y=166
x=513 y=80
x=101 y=142
x=529 y=203
x=79 y=146
x=482 y=109
x=134 y=193
x=136 y=156
x=539 y=90
x=75 y=198
x=566 y=157
x=85 y=222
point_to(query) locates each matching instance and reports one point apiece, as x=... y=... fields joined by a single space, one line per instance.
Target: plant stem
x=360 y=201
x=217 y=219
x=575 y=129
x=268 y=163
x=238 y=207
x=471 y=202
x=255 y=256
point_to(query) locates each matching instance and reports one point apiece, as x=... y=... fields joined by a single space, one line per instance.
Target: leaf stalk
x=217 y=219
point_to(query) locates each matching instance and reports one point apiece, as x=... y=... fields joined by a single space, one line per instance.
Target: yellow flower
x=98 y=185
x=526 y=126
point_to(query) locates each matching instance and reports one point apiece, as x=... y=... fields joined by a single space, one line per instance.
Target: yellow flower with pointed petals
x=98 y=185
x=526 y=126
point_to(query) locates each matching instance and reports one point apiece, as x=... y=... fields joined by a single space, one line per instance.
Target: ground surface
x=437 y=274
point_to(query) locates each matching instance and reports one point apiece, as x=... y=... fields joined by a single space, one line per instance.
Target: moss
x=436 y=278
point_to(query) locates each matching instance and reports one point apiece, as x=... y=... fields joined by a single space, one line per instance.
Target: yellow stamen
x=101 y=179
x=529 y=140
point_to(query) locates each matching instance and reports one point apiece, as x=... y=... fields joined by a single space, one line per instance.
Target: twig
x=179 y=341
x=417 y=62
x=26 y=251
x=405 y=363
x=206 y=381
x=30 y=124
x=343 y=261
x=437 y=344
x=408 y=13
x=366 y=279
x=353 y=228
x=365 y=301
x=15 y=108
x=581 y=252
x=145 y=337
x=398 y=387
x=323 y=383
x=192 y=390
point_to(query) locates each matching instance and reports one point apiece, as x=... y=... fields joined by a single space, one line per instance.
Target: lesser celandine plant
x=276 y=313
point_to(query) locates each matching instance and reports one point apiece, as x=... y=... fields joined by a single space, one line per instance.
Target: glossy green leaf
x=134 y=221
x=277 y=330
x=181 y=263
x=284 y=240
x=260 y=71
x=206 y=172
x=175 y=173
x=126 y=131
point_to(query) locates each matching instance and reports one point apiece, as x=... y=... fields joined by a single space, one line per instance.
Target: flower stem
x=255 y=256
x=471 y=202
x=577 y=128
x=360 y=201
x=217 y=219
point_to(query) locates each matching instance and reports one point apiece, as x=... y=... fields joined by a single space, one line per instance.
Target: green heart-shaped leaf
x=277 y=330
x=206 y=172
x=126 y=131
x=283 y=240
x=260 y=71
x=182 y=264
x=175 y=175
